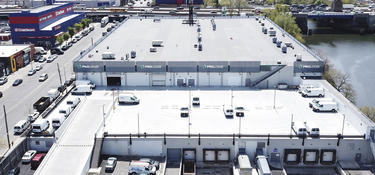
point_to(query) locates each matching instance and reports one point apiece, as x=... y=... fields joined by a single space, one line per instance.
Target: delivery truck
x=42 y=104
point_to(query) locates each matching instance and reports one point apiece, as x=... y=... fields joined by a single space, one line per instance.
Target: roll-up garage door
x=189 y=154
x=174 y=154
x=209 y=155
x=215 y=79
x=327 y=156
x=113 y=81
x=147 y=148
x=158 y=79
x=223 y=155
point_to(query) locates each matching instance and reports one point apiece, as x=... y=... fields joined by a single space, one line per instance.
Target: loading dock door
x=191 y=82
x=223 y=155
x=158 y=80
x=209 y=155
x=113 y=81
x=180 y=82
x=189 y=155
x=310 y=156
x=327 y=156
x=174 y=154
x=292 y=157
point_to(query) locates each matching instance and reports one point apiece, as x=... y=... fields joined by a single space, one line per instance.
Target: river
x=353 y=54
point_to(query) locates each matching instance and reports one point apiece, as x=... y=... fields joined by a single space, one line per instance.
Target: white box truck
x=244 y=164
x=73 y=101
x=40 y=125
x=317 y=100
x=40 y=50
x=302 y=87
x=313 y=92
x=53 y=94
x=128 y=99
x=82 y=90
x=65 y=110
x=299 y=128
x=85 y=82
x=325 y=106
x=57 y=120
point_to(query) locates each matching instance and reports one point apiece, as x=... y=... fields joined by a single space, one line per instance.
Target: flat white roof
x=62 y=20
x=237 y=39
x=9 y=50
x=45 y=7
x=159 y=109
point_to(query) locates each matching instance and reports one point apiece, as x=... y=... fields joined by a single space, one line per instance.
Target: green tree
x=78 y=27
x=71 y=31
x=59 y=39
x=66 y=36
x=369 y=112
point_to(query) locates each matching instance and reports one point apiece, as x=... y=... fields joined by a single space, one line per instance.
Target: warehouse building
x=218 y=68
x=41 y=26
x=215 y=52
x=14 y=57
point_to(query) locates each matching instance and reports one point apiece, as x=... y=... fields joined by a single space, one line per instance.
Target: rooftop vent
x=283 y=49
x=157 y=43
x=107 y=47
x=133 y=54
x=278 y=61
x=274 y=40
x=200 y=47
x=278 y=43
x=153 y=49
x=108 y=55
x=299 y=57
x=157 y=20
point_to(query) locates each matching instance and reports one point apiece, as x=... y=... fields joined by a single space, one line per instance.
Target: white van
x=40 y=125
x=299 y=128
x=313 y=92
x=85 y=82
x=53 y=94
x=65 y=110
x=325 y=106
x=314 y=101
x=128 y=98
x=40 y=50
x=73 y=102
x=21 y=126
x=312 y=129
x=302 y=87
x=138 y=167
x=58 y=120
x=82 y=89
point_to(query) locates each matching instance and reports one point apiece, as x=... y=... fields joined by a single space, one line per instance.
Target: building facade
x=41 y=26
x=14 y=57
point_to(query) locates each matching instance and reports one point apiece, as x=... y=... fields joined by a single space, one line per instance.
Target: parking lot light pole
x=6 y=126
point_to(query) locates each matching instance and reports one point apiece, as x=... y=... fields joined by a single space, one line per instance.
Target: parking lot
x=25 y=168
x=123 y=164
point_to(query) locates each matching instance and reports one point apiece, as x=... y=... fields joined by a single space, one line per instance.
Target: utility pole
x=6 y=125
x=274 y=98
x=231 y=97
x=139 y=132
x=92 y=41
x=103 y=117
x=239 y=127
x=58 y=70
x=64 y=74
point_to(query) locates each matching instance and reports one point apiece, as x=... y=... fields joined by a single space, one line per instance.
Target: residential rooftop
x=235 y=39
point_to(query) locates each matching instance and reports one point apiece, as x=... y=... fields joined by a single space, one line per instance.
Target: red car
x=37 y=160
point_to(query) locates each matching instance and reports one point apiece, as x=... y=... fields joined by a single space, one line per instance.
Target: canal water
x=353 y=54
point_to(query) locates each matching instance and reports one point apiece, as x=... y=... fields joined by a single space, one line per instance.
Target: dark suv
x=57 y=51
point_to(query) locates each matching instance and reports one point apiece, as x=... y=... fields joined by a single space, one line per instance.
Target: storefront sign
x=54 y=14
x=57 y=27
x=24 y=29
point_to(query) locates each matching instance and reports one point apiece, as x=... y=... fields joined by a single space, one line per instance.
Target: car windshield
x=195 y=98
x=184 y=109
x=239 y=108
x=229 y=110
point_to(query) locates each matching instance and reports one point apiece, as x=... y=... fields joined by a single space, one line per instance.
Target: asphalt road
x=19 y=100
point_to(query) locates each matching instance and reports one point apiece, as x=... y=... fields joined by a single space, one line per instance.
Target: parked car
x=43 y=77
x=14 y=171
x=74 y=40
x=91 y=28
x=3 y=80
x=61 y=88
x=42 y=59
x=69 y=44
x=33 y=116
x=38 y=67
x=111 y=164
x=109 y=29
x=17 y=82
x=57 y=51
x=28 y=156
x=151 y=162
x=35 y=162
x=51 y=58
x=104 y=33
x=64 y=47
x=68 y=82
x=31 y=72
x=37 y=57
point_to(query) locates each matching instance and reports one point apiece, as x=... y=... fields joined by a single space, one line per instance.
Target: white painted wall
x=215 y=79
x=232 y=79
x=203 y=79
x=138 y=79
x=147 y=148
x=115 y=147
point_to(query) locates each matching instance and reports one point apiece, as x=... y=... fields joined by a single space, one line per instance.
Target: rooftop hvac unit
x=278 y=43
x=288 y=44
x=152 y=49
x=283 y=49
x=157 y=20
x=199 y=29
x=108 y=55
x=265 y=31
x=133 y=54
x=200 y=47
x=256 y=19
x=274 y=40
x=278 y=61
x=299 y=57
x=199 y=38
x=271 y=28
x=157 y=43
x=262 y=24
x=90 y=55
x=272 y=32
